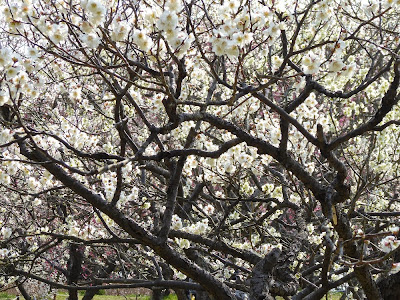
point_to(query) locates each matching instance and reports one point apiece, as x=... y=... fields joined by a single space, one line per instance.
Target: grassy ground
x=109 y=297
x=63 y=296
x=331 y=296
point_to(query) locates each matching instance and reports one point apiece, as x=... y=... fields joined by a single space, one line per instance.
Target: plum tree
x=228 y=149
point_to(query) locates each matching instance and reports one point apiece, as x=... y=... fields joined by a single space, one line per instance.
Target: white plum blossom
x=12 y=72
x=391 y=3
x=389 y=243
x=176 y=222
x=91 y=40
x=119 y=31
x=6 y=232
x=151 y=15
x=5 y=136
x=336 y=65
x=180 y=275
x=37 y=202
x=311 y=63
x=142 y=40
x=224 y=46
x=5 y=178
x=96 y=10
x=86 y=27
x=276 y=62
x=274 y=30
x=76 y=94
x=395 y=268
x=4 y=253
x=209 y=209
x=5 y=57
x=177 y=40
x=167 y=21
x=174 y=5
x=4 y=97
x=182 y=243
x=58 y=33
x=348 y=70
x=32 y=53
x=232 y=5
x=394 y=229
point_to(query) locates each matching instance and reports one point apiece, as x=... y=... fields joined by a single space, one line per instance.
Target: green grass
x=171 y=297
x=331 y=296
x=64 y=296
x=6 y=296
x=335 y=296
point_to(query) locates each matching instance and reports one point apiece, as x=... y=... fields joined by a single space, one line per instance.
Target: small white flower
x=3 y=253
x=209 y=209
x=91 y=40
x=143 y=41
x=5 y=136
x=232 y=49
x=5 y=57
x=86 y=27
x=394 y=229
x=395 y=268
x=176 y=222
x=182 y=243
x=336 y=65
x=349 y=70
x=168 y=20
x=311 y=63
x=389 y=243
x=4 y=97
x=11 y=72
x=232 y=5
x=359 y=233
x=6 y=232
x=119 y=31
x=76 y=94
x=95 y=7
x=174 y=5
x=37 y=202
x=33 y=53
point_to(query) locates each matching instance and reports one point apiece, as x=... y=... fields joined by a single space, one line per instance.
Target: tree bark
x=389 y=287
x=23 y=292
x=213 y=286
x=74 y=268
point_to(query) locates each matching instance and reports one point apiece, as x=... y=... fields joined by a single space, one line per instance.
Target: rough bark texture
x=23 y=292
x=212 y=285
x=102 y=273
x=74 y=268
x=157 y=294
x=362 y=273
x=261 y=276
x=271 y=276
x=390 y=287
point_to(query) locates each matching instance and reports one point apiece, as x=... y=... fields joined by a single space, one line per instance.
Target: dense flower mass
x=232 y=149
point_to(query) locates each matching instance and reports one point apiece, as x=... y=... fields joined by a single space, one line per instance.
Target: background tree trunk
x=74 y=268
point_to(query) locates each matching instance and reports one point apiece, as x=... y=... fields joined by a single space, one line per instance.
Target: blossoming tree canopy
x=229 y=149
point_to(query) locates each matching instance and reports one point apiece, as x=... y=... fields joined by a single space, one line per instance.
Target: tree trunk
x=157 y=294
x=389 y=287
x=74 y=268
x=23 y=292
x=102 y=273
x=180 y=294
